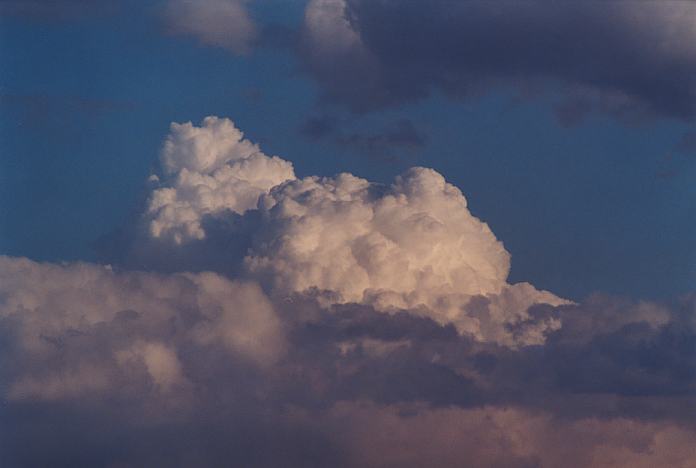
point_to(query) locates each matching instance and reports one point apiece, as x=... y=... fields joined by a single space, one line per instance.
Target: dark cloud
x=134 y=369
x=629 y=59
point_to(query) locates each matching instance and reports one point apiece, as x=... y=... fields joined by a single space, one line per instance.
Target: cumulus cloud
x=413 y=245
x=220 y=23
x=355 y=239
x=626 y=58
x=363 y=325
x=208 y=170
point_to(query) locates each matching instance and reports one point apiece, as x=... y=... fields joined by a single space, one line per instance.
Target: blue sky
x=601 y=205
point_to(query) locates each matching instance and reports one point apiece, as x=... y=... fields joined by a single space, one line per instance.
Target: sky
x=347 y=233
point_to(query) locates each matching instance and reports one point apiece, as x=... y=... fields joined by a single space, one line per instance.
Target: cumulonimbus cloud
x=627 y=58
x=363 y=325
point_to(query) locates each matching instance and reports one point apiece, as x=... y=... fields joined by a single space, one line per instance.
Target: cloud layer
x=133 y=369
x=630 y=59
x=346 y=323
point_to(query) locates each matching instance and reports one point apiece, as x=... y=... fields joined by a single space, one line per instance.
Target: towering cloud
x=363 y=325
x=627 y=58
x=346 y=235
x=413 y=245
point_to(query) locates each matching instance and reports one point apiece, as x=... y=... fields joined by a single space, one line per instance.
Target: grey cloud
x=629 y=59
x=613 y=382
x=349 y=352
x=611 y=358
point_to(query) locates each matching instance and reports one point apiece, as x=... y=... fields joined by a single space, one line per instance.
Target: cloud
x=219 y=23
x=85 y=327
x=410 y=436
x=346 y=323
x=411 y=245
x=208 y=170
x=625 y=58
x=125 y=368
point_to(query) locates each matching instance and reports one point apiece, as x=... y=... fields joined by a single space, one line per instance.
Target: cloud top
x=412 y=245
x=208 y=170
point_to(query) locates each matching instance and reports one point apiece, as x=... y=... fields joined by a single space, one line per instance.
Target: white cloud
x=413 y=245
x=221 y=23
x=207 y=171
x=416 y=239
